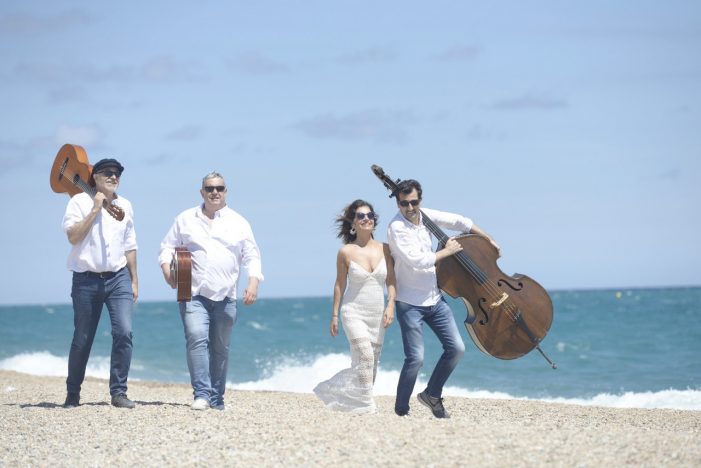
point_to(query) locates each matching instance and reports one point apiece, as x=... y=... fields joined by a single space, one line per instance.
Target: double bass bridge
x=488 y=309
x=499 y=301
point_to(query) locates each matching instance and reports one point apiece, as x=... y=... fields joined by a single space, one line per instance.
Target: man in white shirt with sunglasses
x=419 y=300
x=221 y=243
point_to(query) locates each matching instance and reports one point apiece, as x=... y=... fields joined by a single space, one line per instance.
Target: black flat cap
x=103 y=163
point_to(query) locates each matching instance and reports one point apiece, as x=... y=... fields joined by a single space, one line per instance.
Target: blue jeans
x=440 y=319
x=208 y=327
x=89 y=294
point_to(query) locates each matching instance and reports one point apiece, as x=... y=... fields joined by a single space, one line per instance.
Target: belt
x=103 y=274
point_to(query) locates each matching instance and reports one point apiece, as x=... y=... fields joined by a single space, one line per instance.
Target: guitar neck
x=82 y=185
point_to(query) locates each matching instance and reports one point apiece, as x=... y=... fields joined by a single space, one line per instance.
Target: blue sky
x=567 y=130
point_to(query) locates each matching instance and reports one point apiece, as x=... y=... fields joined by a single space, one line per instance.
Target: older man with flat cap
x=103 y=261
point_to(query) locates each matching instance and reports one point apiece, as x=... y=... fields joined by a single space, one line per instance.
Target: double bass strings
x=468 y=264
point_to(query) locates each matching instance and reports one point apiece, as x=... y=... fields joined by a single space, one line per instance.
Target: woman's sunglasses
x=361 y=216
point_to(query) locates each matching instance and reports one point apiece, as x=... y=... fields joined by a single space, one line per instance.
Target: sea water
x=620 y=348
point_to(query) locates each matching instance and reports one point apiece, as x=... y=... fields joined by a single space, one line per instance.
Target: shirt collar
x=217 y=214
x=409 y=223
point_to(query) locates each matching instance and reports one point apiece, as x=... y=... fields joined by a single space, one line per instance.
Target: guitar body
x=71 y=173
x=181 y=272
x=70 y=167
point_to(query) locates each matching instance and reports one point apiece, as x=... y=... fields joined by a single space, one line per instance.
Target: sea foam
x=45 y=363
x=293 y=375
x=301 y=376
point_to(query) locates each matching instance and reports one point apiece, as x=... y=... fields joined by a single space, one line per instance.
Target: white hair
x=212 y=175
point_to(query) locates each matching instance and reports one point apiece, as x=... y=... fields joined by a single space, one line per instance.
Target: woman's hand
x=388 y=316
x=333 y=328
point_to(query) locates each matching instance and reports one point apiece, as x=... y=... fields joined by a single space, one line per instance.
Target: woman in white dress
x=363 y=268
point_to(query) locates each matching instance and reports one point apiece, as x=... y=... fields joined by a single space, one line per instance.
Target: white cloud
x=29 y=24
x=88 y=135
x=371 y=55
x=370 y=125
x=529 y=102
x=257 y=64
x=458 y=54
x=187 y=132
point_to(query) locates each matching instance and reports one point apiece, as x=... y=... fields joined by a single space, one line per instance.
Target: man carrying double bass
x=419 y=300
x=103 y=261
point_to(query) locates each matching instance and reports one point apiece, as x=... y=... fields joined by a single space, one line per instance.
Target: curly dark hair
x=345 y=220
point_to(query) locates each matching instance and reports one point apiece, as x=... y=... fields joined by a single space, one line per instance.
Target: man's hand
x=165 y=268
x=99 y=200
x=135 y=289
x=452 y=246
x=250 y=294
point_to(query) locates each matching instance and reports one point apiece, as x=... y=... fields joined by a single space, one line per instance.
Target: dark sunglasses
x=406 y=203
x=109 y=173
x=211 y=188
x=361 y=216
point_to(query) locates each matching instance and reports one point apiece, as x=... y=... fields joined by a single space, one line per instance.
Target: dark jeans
x=440 y=319
x=89 y=294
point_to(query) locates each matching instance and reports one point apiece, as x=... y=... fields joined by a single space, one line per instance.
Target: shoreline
x=269 y=428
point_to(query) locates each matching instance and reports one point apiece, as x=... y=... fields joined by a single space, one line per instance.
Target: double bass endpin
x=552 y=364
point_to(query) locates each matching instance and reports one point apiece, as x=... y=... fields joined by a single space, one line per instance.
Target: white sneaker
x=200 y=404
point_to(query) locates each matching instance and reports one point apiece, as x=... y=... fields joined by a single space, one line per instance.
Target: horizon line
x=277 y=298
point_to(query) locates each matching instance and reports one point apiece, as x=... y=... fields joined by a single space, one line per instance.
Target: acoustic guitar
x=70 y=174
x=181 y=272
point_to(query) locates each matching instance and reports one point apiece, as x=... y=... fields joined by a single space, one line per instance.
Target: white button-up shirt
x=104 y=247
x=414 y=259
x=220 y=247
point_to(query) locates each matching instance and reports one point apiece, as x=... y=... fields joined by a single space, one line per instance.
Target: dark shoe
x=72 y=400
x=436 y=404
x=121 y=401
x=401 y=413
x=218 y=407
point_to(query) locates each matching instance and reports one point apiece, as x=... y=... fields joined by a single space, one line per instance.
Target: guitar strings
x=76 y=180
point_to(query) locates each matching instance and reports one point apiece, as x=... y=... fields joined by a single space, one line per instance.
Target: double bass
x=71 y=172
x=507 y=316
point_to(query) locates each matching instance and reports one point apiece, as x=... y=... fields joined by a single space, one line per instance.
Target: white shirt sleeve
x=452 y=221
x=72 y=215
x=130 y=233
x=169 y=243
x=250 y=255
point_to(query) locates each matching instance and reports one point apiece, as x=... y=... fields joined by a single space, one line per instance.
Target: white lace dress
x=361 y=314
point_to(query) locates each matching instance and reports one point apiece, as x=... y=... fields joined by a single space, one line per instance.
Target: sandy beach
x=275 y=428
